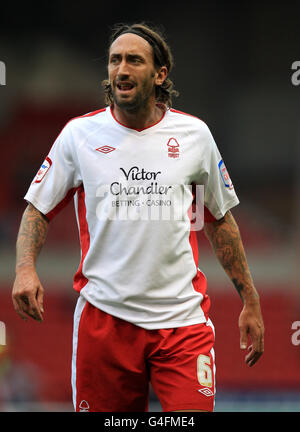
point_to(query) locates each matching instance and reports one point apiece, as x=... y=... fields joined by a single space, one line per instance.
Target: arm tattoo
x=225 y=239
x=31 y=237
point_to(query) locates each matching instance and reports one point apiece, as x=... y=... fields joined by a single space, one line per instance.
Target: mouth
x=125 y=87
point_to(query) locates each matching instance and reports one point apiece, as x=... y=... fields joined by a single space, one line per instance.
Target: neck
x=138 y=119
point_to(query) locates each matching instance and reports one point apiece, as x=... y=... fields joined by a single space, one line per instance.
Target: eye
x=135 y=59
x=114 y=60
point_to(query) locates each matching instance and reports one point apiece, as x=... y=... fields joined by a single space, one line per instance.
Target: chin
x=127 y=104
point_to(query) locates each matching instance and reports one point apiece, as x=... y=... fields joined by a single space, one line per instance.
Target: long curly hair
x=162 y=56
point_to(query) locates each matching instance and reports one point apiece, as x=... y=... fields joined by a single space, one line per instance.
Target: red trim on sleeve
x=199 y=281
x=184 y=113
x=91 y=113
x=62 y=204
x=208 y=217
x=79 y=279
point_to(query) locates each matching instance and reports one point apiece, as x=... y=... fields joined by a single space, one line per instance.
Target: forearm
x=224 y=236
x=31 y=237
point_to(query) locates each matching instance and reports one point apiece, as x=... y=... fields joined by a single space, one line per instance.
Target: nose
x=123 y=69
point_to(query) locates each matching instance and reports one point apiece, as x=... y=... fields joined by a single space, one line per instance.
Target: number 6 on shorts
x=204 y=372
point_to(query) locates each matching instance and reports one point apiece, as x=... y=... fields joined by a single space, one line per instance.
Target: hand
x=251 y=324
x=27 y=294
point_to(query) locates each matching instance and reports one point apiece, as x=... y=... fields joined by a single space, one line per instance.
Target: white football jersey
x=133 y=192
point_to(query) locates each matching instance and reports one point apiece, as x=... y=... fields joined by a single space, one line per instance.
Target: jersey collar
x=138 y=131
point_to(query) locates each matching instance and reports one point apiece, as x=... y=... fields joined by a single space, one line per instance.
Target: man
x=142 y=313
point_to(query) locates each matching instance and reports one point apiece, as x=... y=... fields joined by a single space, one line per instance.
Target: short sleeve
x=219 y=193
x=58 y=178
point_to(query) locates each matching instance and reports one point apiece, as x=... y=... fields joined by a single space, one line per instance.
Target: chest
x=163 y=158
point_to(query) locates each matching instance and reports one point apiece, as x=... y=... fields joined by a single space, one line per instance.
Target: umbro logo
x=206 y=391
x=105 y=149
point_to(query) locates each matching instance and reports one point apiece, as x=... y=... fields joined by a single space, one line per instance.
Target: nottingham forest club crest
x=173 y=148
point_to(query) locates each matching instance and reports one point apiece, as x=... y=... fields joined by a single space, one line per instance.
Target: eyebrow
x=128 y=56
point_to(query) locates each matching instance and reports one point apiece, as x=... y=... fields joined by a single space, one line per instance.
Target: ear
x=161 y=75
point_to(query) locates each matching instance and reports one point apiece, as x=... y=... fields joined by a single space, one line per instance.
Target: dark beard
x=137 y=103
x=132 y=105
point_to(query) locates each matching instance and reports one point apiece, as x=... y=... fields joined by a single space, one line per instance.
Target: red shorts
x=114 y=361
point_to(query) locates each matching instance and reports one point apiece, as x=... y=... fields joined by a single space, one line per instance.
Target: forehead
x=130 y=43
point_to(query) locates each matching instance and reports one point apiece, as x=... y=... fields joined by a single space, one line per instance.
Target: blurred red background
x=239 y=83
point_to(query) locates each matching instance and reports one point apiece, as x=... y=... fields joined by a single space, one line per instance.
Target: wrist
x=251 y=298
x=25 y=267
